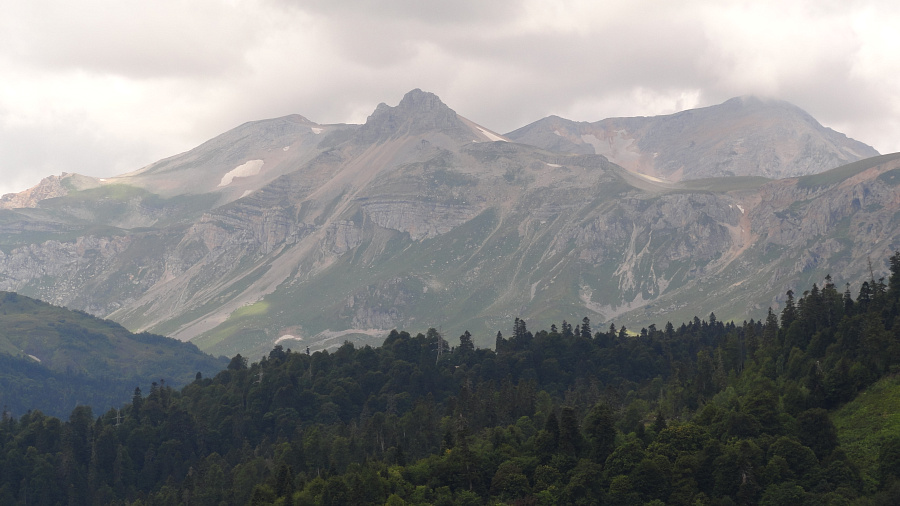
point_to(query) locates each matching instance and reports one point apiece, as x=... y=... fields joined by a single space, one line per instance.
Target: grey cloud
x=28 y=153
x=432 y=13
x=552 y=67
x=140 y=40
x=497 y=63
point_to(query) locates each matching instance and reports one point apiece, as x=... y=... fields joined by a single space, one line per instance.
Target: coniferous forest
x=705 y=412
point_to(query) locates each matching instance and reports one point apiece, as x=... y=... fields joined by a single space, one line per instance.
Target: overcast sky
x=105 y=87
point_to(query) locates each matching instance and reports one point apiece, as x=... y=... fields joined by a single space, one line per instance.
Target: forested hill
x=53 y=359
x=704 y=412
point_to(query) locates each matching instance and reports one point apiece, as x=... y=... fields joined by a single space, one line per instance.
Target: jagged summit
x=419 y=113
x=421 y=100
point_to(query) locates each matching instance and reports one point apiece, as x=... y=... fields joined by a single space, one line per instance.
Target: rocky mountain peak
x=421 y=100
x=418 y=112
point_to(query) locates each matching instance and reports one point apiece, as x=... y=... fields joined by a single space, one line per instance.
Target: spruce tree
x=586 y=328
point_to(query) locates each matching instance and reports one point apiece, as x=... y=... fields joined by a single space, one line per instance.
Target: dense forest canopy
x=706 y=412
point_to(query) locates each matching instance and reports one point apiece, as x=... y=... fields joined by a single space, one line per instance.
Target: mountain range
x=303 y=234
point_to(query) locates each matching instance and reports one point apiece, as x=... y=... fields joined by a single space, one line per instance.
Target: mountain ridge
x=420 y=217
x=742 y=136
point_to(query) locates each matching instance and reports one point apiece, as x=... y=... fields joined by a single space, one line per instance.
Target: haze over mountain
x=286 y=231
x=745 y=136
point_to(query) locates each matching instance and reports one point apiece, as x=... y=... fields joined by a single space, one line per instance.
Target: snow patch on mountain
x=491 y=136
x=250 y=168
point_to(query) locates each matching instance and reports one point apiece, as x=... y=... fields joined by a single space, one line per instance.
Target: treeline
x=703 y=413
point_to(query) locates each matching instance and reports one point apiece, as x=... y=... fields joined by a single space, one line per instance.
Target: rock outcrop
x=49 y=187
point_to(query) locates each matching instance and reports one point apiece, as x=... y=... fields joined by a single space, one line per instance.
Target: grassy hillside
x=844 y=172
x=55 y=358
x=867 y=422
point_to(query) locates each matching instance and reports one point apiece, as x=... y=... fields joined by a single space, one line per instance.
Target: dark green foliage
x=889 y=460
x=817 y=432
x=600 y=432
x=705 y=413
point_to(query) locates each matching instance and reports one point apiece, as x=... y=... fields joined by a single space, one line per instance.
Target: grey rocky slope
x=421 y=218
x=745 y=136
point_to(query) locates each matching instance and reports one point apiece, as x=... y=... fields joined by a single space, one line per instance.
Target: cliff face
x=421 y=219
